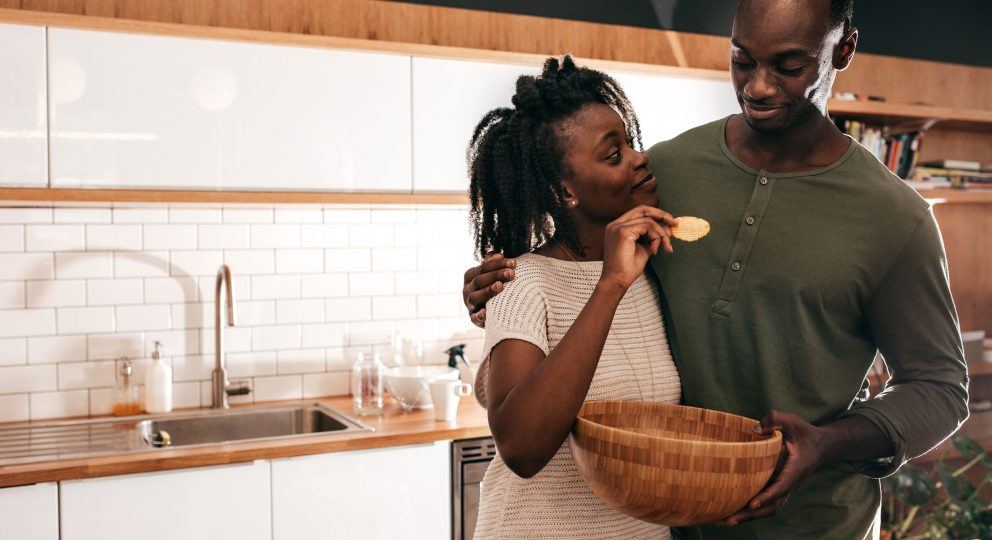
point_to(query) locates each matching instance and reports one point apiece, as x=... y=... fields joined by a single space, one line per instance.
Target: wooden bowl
x=670 y=464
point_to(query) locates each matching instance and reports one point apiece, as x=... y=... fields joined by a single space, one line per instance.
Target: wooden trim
x=86 y=22
x=20 y=195
x=166 y=196
x=969 y=119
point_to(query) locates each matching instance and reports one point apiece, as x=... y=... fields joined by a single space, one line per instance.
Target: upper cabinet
x=449 y=99
x=669 y=105
x=146 y=111
x=159 y=112
x=23 y=120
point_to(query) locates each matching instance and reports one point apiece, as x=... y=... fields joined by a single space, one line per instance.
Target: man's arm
x=911 y=317
x=913 y=321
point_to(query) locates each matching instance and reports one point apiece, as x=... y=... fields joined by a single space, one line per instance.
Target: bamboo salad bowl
x=670 y=464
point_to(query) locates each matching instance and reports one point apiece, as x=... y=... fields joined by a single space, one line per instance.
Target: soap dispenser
x=158 y=384
x=456 y=359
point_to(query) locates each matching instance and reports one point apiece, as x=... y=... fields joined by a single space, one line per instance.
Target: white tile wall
x=13 y=351
x=80 y=287
x=55 y=237
x=11 y=238
x=11 y=294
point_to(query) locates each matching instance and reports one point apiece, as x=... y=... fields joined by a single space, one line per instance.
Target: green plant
x=941 y=504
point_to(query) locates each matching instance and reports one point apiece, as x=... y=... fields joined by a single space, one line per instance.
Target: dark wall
x=957 y=31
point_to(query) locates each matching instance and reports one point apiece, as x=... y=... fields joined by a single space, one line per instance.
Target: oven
x=469 y=460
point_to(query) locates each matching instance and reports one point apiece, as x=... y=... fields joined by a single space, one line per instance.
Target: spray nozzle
x=458 y=351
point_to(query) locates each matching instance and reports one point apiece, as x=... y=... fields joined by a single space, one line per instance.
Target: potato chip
x=690 y=229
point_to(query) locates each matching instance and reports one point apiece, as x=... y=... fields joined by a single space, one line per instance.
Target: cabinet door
x=450 y=97
x=668 y=105
x=393 y=493
x=23 y=116
x=29 y=512
x=230 y=502
x=163 y=112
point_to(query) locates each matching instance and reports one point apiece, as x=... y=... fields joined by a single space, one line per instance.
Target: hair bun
x=528 y=97
x=547 y=94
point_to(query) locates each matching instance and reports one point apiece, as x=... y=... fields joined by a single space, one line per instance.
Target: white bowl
x=408 y=384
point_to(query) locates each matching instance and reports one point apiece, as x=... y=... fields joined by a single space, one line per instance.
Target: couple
x=818 y=256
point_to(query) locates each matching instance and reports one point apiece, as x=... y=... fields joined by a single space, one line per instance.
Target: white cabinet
x=230 y=502
x=451 y=96
x=29 y=512
x=392 y=493
x=668 y=105
x=449 y=99
x=151 y=112
x=23 y=120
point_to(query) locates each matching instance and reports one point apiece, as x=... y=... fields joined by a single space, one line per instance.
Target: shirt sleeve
x=518 y=312
x=912 y=319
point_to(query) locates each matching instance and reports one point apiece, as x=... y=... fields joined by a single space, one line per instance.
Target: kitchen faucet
x=221 y=387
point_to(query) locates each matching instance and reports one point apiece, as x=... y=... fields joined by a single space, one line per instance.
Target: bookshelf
x=913 y=114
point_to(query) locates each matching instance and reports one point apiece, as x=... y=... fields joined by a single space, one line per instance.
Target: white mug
x=445 y=394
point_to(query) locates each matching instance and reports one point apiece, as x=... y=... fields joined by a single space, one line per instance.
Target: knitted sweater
x=539 y=307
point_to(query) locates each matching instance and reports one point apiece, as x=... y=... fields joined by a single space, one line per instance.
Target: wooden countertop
x=394 y=427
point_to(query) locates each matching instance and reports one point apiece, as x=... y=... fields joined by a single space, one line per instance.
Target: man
x=818 y=256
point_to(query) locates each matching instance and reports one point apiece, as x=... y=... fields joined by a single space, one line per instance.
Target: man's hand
x=804 y=453
x=484 y=282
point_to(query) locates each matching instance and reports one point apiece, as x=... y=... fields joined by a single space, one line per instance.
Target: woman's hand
x=630 y=240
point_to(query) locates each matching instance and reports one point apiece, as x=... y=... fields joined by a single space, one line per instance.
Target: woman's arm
x=532 y=399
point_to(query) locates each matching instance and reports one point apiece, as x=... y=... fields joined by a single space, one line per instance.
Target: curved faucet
x=221 y=387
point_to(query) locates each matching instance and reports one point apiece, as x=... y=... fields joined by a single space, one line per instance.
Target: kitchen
x=319 y=154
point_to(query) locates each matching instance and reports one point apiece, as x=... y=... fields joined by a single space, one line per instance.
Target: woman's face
x=603 y=171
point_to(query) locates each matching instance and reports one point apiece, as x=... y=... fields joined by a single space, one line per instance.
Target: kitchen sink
x=63 y=439
x=245 y=424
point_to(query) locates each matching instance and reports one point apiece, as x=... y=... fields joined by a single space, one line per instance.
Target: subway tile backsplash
x=314 y=286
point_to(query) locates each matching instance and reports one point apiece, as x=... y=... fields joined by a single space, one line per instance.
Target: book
x=955 y=164
x=897 y=150
x=852 y=96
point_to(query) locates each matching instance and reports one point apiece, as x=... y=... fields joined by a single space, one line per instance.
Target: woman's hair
x=516 y=159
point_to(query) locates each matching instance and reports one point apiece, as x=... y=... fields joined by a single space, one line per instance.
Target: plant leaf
x=958 y=487
x=913 y=486
x=969 y=448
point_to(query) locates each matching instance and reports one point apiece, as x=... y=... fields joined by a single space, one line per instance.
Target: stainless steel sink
x=245 y=424
x=46 y=441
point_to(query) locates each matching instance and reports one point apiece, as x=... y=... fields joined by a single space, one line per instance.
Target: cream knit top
x=539 y=306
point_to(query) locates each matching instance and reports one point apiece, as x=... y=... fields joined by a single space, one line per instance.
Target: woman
x=558 y=182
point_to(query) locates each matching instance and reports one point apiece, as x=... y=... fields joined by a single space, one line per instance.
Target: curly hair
x=516 y=158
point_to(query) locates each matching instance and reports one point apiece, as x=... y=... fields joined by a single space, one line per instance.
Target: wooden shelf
x=905 y=113
x=57 y=195
x=957 y=195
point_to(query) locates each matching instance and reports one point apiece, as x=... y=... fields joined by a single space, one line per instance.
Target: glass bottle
x=126 y=390
x=366 y=384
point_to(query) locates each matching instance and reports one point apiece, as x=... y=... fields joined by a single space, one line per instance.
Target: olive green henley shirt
x=783 y=305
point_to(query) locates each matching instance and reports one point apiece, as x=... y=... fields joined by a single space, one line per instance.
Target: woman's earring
x=572 y=203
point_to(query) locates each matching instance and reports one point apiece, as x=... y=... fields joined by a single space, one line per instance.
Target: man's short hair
x=841 y=13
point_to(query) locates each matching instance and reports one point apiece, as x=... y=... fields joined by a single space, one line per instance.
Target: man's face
x=782 y=61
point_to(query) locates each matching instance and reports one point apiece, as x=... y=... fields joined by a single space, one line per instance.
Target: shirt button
x=736 y=266
x=749 y=220
x=763 y=180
